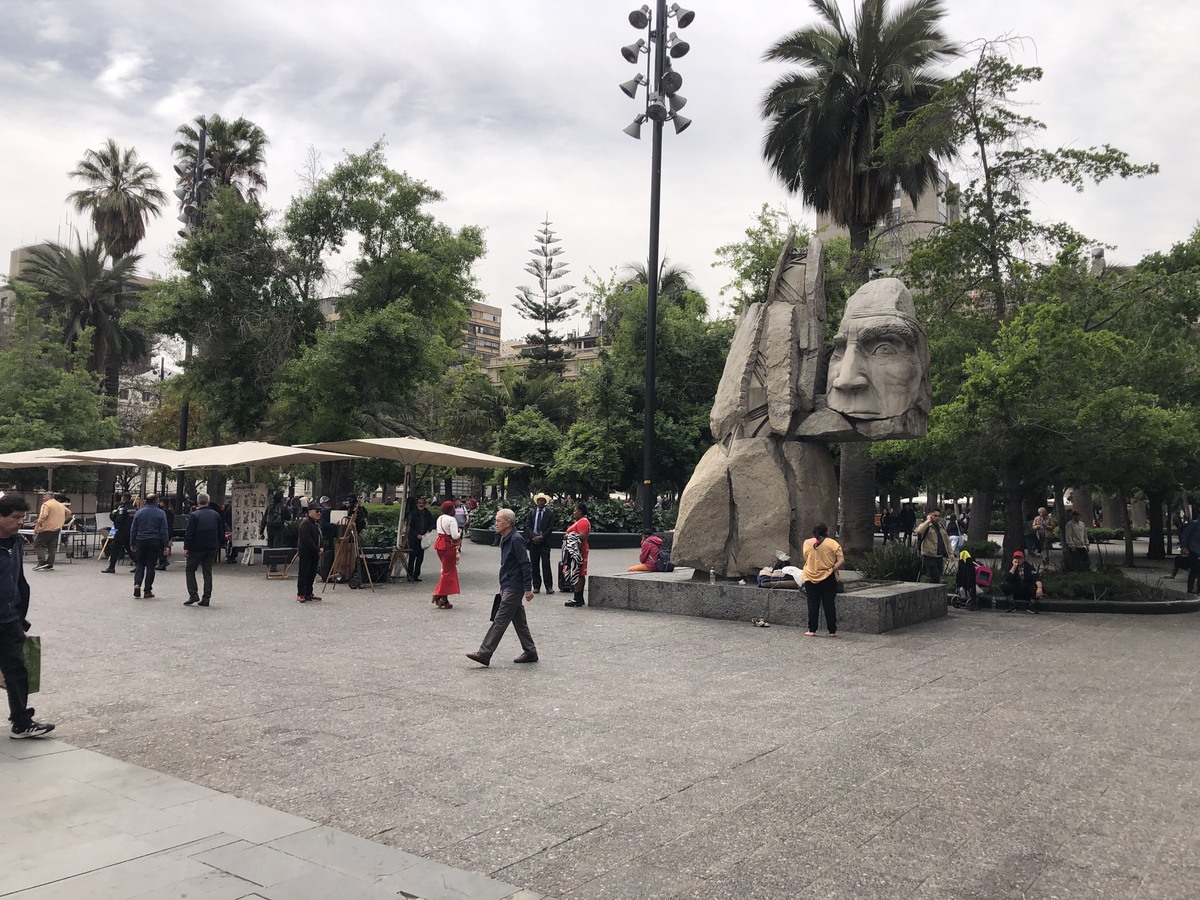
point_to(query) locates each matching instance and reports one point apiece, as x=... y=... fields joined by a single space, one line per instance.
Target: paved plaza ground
x=981 y=755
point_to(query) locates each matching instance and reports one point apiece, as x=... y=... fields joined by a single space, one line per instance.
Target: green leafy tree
x=240 y=314
x=120 y=193
x=753 y=259
x=528 y=437
x=588 y=461
x=546 y=303
x=51 y=398
x=825 y=123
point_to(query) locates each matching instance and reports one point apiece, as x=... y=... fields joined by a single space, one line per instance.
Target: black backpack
x=663 y=563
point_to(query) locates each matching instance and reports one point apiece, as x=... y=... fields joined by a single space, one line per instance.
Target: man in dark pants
x=908 y=518
x=539 y=525
x=420 y=522
x=14 y=607
x=201 y=543
x=1022 y=583
x=515 y=580
x=118 y=547
x=150 y=540
x=329 y=537
x=1189 y=540
x=308 y=547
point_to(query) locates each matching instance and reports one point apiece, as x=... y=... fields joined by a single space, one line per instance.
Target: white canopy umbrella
x=253 y=453
x=140 y=455
x=413 y=451
x=49 y=458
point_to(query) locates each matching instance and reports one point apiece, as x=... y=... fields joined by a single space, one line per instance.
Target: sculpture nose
x=851 y=374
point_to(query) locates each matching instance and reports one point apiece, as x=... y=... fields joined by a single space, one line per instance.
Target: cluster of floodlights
x=663 y=100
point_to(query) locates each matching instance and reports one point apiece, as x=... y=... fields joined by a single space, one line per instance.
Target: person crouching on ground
x=822 y=560
x=648 y=560
x=516 y=579
x=1022 y=583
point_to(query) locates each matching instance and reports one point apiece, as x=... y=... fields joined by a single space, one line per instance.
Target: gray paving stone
x=121 y=880
x=325 y=885
x=434 y=881
x=261 y=865
x=253 y=823
x=213 y=886
x=345 y=853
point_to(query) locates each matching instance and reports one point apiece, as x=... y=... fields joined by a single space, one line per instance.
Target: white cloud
x=122 y=77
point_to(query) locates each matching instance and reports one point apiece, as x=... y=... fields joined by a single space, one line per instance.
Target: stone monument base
x=868 y=607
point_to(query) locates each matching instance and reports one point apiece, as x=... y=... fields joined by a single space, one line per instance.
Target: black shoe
x=137 y=590
x=111 y=571
x=549 y=592
x=484 y=659
x=32 y=730
x=573 y=603
x=203 y=603
x=417 y=579
x=190 y=600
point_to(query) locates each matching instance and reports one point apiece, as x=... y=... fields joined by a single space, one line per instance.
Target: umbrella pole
x=398 y=558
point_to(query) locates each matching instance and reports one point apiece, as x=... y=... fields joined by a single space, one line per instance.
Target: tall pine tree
x=545 y=303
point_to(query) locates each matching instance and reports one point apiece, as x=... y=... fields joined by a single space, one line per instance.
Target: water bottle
x=712 y=576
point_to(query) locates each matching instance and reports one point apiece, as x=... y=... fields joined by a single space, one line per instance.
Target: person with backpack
x=652 y=549
x=274 y=517
x=122 y=519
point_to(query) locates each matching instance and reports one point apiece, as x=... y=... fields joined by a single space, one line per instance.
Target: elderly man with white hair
x=516 y=578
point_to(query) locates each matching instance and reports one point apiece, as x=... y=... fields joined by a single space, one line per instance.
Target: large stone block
x=704 y=523
x=731 y=402
x=760 y=494
x=812 y=489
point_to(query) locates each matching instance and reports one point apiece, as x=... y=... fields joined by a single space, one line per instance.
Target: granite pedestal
x=865 y=607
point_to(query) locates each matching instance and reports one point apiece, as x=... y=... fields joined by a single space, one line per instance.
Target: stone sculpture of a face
x=880 y=363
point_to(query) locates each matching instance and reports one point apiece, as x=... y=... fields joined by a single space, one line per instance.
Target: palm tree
x=823 y=134
x=675 y=282
x=86 y=294
x=235 y=150
x=121 y=194
x=825 y=117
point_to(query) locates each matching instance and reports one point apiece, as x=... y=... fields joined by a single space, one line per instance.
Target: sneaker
x=137 y=591
x=32 y=730
x=47 y=568
x=39 y=567
x=300 y=598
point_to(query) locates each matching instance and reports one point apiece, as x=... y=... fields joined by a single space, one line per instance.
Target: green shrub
x=892 y=562
x=1107 y=583
x=606 y=516
x=982 y=549
x=384 y=514
x=378 y=535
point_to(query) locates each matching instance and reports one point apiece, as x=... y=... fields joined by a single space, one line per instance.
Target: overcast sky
x=511 y=109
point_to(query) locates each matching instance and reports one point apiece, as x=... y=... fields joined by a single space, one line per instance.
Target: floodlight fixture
x=671 y=81
x=640 y=18
x=634 y=128
x=677 y=46
x=629 y=88
x=682 y=16
x=681 y=122
x=676 y=102
x=656 y=110
x=632 y=51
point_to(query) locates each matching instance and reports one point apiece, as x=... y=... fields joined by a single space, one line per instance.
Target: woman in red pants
x=449 y=540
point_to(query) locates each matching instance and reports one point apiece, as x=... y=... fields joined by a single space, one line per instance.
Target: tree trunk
x=1157 y=503
x=1081 y=499
x=857 y=495
x=1137 y=513
x=1114 y=511
x=1014 y=520
x=1127 y=523
x=1061 y=515
x=981 y=516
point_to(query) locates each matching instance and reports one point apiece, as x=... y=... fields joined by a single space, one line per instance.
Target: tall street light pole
x=663 y=103
x=192 y=218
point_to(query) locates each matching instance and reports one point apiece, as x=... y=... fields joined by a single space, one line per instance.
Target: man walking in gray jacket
x=516 y=579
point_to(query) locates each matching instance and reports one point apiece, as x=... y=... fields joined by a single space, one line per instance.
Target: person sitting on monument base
x=652 y=545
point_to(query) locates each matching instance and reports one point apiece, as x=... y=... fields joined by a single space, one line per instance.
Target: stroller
x=967 y=579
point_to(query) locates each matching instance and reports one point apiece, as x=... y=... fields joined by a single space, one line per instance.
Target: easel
x=349 y=556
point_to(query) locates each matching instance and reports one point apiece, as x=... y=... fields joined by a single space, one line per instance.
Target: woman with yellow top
x=822 y=559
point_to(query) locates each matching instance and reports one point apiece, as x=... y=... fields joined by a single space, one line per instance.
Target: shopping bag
x=983 y=576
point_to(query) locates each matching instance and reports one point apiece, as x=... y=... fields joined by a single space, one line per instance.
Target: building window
x=123 y=393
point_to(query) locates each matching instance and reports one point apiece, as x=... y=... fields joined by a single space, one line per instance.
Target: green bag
x=33 y=662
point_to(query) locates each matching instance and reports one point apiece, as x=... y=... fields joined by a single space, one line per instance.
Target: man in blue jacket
x=516 y=578
x=150 y=540
x=201 y=542
x=14 y=607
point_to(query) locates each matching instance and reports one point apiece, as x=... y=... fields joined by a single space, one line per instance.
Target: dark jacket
x=122 y=518
x=420 y=521
x=274 y=516
x=1025 y=577
x=308 y=537
x=14 y=589
x=545 y=529
x=205 y=530
x=1189 y=538
x=516 y=574
x=150 y=524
